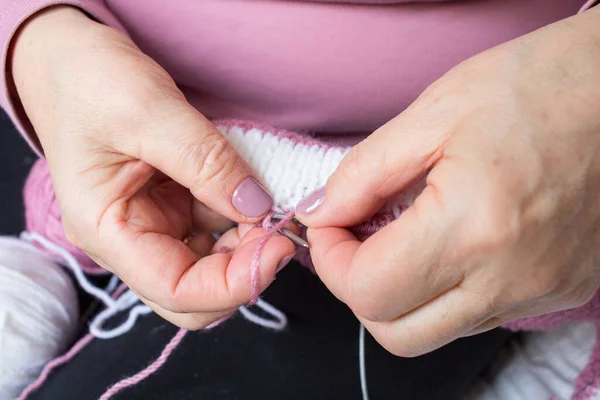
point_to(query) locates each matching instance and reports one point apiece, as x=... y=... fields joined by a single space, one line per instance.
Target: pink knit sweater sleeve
x=12 y=14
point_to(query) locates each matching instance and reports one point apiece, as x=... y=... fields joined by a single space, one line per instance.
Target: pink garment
x=326 y=67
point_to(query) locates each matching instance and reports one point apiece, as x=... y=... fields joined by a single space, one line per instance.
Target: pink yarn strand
x=65 y=358
x=48 y=368
x=255 y=265
x=176 y=340
x=152 y=368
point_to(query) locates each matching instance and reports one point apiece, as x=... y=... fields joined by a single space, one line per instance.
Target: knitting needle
x=293 y=237
x=279 y=217
x=289 y=234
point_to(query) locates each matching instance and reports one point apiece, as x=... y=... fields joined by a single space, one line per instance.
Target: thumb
x=376 y=169
x=190 y=150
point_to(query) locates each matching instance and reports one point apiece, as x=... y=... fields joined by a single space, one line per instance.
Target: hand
x=136 y=169
x=508 y=223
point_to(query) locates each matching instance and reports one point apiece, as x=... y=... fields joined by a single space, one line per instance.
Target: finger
x=189 y=149
x=396 y=270
x=372 y=172
x=175 y=279
x=435 y=324
x=206 y=220
x=200 y=244
x=188 y=321
x=488 y=325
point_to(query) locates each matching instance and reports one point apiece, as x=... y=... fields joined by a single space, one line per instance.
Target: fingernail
x=251 y=199
x=225 y=250
x=310 y=203
x=284 y=262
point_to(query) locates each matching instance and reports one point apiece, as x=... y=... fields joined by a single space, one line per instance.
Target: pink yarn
x=42 y=215
x=152 y=368
x=254 y=266
x=172 y=345
x=48 y=368
x=65 y=358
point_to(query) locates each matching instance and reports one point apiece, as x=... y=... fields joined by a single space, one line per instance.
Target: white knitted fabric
x=291 y=166
x=289 y=169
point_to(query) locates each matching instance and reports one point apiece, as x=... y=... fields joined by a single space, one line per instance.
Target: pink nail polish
x=310 y=203
x=251 y=199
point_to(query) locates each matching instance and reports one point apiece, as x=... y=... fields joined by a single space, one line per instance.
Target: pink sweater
x=343 y=66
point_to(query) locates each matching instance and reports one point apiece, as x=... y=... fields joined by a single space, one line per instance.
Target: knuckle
x=213 y=160
x=350 y=167
x=491 y=232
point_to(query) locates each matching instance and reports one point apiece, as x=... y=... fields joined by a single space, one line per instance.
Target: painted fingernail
x=310 y=203
x=284 y=262
x=251 y=199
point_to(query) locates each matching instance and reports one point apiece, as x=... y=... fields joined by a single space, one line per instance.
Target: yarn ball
x=43 y=216
x=38 y=313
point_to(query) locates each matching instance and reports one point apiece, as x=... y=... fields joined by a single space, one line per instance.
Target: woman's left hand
x=508 y=225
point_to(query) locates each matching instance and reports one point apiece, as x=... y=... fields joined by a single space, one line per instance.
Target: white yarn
x=38 y=313
x=129 y=300
x=113 y=307
x=278 y=323
x=289 y=170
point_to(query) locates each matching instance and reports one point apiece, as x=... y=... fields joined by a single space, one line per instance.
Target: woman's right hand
x=136 y=169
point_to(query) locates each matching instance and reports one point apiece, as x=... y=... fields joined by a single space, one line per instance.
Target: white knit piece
x=291 y=167
x=289 y=170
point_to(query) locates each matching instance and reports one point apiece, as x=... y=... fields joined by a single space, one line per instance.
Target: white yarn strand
x=361 y=362
x=278 y=324
x=72 y=264
x=129 y=299
x=113 y=307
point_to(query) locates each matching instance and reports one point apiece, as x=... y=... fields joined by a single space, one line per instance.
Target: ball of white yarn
x=38 y=313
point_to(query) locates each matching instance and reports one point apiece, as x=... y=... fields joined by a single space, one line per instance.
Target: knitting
x=290 y=166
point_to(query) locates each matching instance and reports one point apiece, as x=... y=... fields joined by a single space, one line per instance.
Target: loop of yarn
x=38 y=313
x=113 y=306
